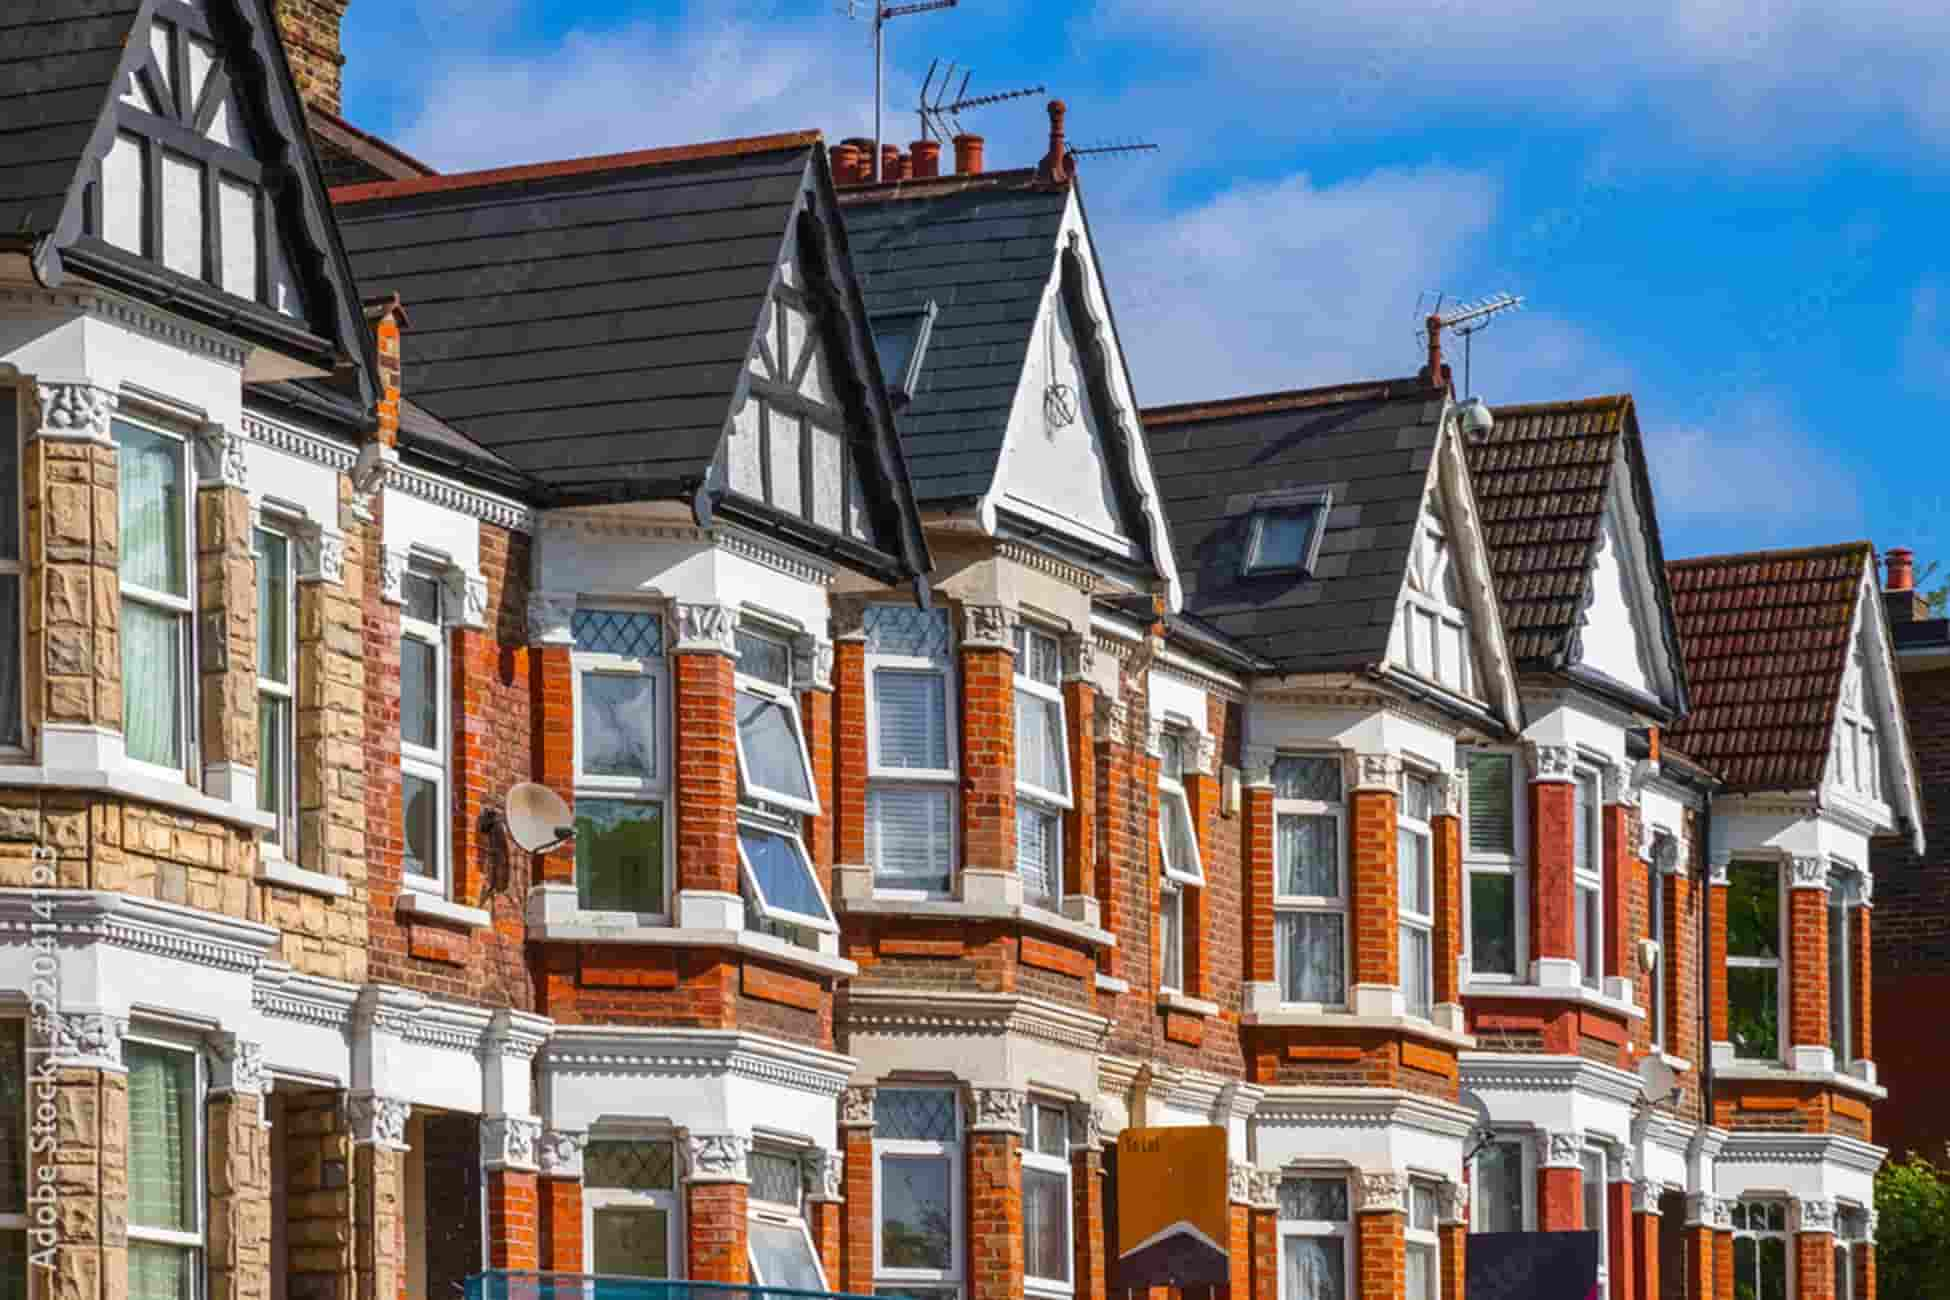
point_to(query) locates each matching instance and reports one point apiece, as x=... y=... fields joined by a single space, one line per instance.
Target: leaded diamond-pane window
x=1316 y=1199
x=633 y=634
x=636 y=1166
x=905 y=630
x=775 y=1177
x=764 y=658
x=914 y=1114
x=1307 y=776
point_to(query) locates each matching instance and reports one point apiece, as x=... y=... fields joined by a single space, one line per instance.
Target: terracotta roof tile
x=1765 y=638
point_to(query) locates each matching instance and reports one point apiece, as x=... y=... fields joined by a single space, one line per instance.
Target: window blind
x=911 y=722
x=1492 y=815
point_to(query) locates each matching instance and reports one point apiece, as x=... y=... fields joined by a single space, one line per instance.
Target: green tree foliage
x=1913 y=1230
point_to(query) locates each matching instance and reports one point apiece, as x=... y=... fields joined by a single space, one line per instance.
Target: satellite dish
x=1657 y=1079
x=1483 y=1131
x=538 y=819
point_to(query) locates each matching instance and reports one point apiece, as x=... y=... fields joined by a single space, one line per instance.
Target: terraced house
x=970 y=772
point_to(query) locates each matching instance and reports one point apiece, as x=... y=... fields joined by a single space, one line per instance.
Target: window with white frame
x=911 y=761
x=1415 y=886
x=1499 y=1187
x=1042 y=765
x=1858 y=741
x=1844 y=893
x=1435 y=629
x=1662 y=849
x=1588 y=873
x=277 y=689
x=1495 y=870
x=1171 y=936
x=1422 y=1247
x=1178 y=854
x=1283 y=531
x=158 y=590
x=1310 y=879
x=1046 y=1195
x=166 y=1187
x=1593 y=1177
x=424 y=729
x=13 y=1158
x=629 y=1208
x=778 y=1245
x=1753 y=971
x=622 y=769
x=1316 y=1238
x=13 y=731
x=782 y=892
x=917 y=1189
x=1761 y=1247
x=1851 y=1229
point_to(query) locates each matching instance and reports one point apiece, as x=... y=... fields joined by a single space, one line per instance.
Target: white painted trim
x=923 y=1012
x=419 y=902
x=135 y=783
x=960 y=910
x=660 y=1049
x=277 y=871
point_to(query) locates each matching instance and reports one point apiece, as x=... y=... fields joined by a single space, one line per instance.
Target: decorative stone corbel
x=510 y=1142
x=83 y=1039
x=392 y=574
x=1113 y=716
x=321 y=553
x=1559 y=1149
x=220 y=458
x=1452 y=1203
x=856 y=1107
x=849 y=618
x=812 y=662
x=1620 y=785
x=71 y=412
x=1446 y=790
x=1717 y=870
x=1086 y=1125
x=997 y=1109
x=1377 y=772
x=368 y=475
x=1258 y=770
x=559 y=1153
x=1551 y=762
x=551 y=618
x=822 y=1174
x=1385 y=1192
x=1813 y=1215
x=1239 y=1183
x=1645 y=1195
x=377 y=1120
x=1079 y=657
x=1208 y=753
x=237 y=1067
x=991 y=627
x=1808 y=872
x=1265 y=1189
x=706 y=629
x=717 y=1157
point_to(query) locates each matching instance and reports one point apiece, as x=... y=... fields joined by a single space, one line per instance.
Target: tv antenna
x=1467 y=319
x=1108 y=150
x=940 y=116
x=882 y=15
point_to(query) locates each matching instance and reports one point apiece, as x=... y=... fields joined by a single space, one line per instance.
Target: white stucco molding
x=321 y=553
x=627 y=1051
x=220 y=459
x=1374 y=772
x=706 y=629
x=1812 y=1214
x=856 y=1107
x=822 y=1173
x=81 y=918
x=70 y=410
x=936 y=1012
x=377 y=1120
x=1283 y=1106
x=1381 y=1192
x=988 y=627
x=1559 y=1148
x=717 y=1157
x=995 y=1108
x=1807 y=872
x=511 y=1142
x=812 y=662
x=559 y=1154
x=551 y=618
x=237 y=1066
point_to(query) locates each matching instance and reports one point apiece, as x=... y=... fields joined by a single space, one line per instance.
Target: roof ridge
x=927 y=187
x=1599 y=403
x=377 y=190
x=1791 y=553
x=1285 y=400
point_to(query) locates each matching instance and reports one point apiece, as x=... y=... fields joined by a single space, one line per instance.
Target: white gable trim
x=1621 y=511
x=1870 y=630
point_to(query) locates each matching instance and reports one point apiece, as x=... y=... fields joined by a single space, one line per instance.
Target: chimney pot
x=1902 y=569
x=968 y=155
x=890 y=162
x=924 y=158
x=1057 y=166
x=846 y=164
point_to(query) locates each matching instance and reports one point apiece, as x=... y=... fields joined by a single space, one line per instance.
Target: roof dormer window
x=901 y=339
x=1283 y=532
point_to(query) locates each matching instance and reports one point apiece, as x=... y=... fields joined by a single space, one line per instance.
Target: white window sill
x=955 y=909
x=1412 y=1026
x=583 y=927
x=277 y=871
x=1575 y=993
x=415 y=903
x=1173 y=1000
x=179 y=795
x=1112 y=984
x=1757 y=1072
x=1046 y=1290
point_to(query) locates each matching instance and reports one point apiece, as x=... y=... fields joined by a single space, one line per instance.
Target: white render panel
x=1019 y=1060
x=1611 y=641
x=124 y=185
x=66 y=344
x=182 y=215
x=685 y=568
x=1273 y=725
x=237 y=217
x=411 y=521
x=303 y=483
x=1332 y=1133
x=1571 y=719
x=1062 y=470
x=1175 y=695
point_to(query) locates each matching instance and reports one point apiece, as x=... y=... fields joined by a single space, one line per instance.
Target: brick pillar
x=1266 y=1252
x=1553 y=849
x=1679 y=965
x=716 y=1193
x=813 y=670
x=824 y=1172
x=322 y=1258
x=1379 y=1235
x=551 y=686
x=988 y=739
x=850 y=687
x=226 y=606
x=995 y=1259
x=475 y=669
x=704 y=667
x=1374 y=889
x=1621 y=1239
x=1201 y=780
x=1080 y=824
x=1865 y=1270
x=72 y=525
x=1091 y=1263
x=331 y=572
x=558 y=1202
x=856 y=1235
x=1807 y=956
x=1445 y=832
x=1718 y=1024
x=239 y=1157
x=1861 y=980
x=1453 y=1241
x=1624 y=886
x=1699 y=1255
x=1239 y=1252
x=513 y=1218
x=378 y=1196
x=1261 y=965
x=1814 y=1266
x=1723 y=1264
x=90 y=1176
x=1118 y=855
x=1645 y=1241
x=1560 y=1182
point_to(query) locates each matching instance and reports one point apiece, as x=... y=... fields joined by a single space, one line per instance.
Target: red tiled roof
x=1766 y=638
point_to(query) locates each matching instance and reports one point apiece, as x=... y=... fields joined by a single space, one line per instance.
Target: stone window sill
x=1752 y=1072
x=1172 y=1000
x=1112 y=984
x=414 y=903
x=955 y=909
x=1411 y=1026
x=177 y=795
x=1574 y=993
x=768 y=946
x=277 y=871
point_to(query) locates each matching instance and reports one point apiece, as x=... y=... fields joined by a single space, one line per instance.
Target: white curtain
x=152 y=557
x=1316 y=1269
x=1036 y=851
x=1309 y=856
x=1313 y=966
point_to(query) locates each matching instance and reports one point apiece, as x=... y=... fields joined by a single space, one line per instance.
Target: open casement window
x=782 y=891
x=778 y=1245
x=629 y=1208
x=1310 y=879
x=1494 y=897
x=1857 y=758
x=1178 y=849
x=1761 y=1250
x=1499 y=1187
x=1593 y=1184
x=166 y=1185
x=621 y=773
x=277 y=689
x=1588 y=872
x=158 y=590
x=1283 y=531
x=917 y=1174
x=913 y=773
x=13 y=1159
x=1844 y=921
x=425 y=727
x=1422 y=1246
x=1046 y=1196
x=1415 y=888
x=1753 y=971
x=13 y=731
x=1042 y=765
x=1316 y=1239
x=1171 y=936
x=1435 y=632
x=773 y=766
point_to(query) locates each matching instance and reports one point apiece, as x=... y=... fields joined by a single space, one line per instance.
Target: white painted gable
x=1613 y=637
x=1434 y=636
x=1859 y=748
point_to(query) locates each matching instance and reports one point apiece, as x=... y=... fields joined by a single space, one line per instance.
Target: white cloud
x=1759 y=482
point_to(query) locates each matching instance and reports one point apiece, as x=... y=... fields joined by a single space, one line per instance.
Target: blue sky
x=1730 y=208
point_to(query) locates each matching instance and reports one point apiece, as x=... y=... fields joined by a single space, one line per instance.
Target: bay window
x=166 y=1192
x=1843 y=896
x=1588 y=872
x=1046 y=1196
x=277 y=682
x=1760 y=1250
x=1178 y=855
x=424 y=710
x=629 y=1208
x=779 y=1247
x=1499 y=1187
x=13 y=1159
x=621 y=769
x=1422 y=1247
x=1753 y=972
x=1316 y=1240
x=1490 y=856
x=1042 y=765
x=913 y=776
x=917 y=1189
x=157 y=590
x=1310 y=879
x=1415 y=882
x=13 y=731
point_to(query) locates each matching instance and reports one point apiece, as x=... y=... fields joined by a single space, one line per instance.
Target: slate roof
x=348 y=156
x=1766 y=641
x=57 y=70
x=983 y=249
x=1370 y=443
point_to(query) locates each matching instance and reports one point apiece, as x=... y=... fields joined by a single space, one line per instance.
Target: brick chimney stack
x=1899 y=595
x=1437 y=370
x=968 y=155
x=310 y=29
x=1057 y=167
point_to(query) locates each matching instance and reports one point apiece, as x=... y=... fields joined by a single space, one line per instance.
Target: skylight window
x=901 y=339
x=1283 y=533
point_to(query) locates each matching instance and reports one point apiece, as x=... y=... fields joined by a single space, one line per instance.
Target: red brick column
x=1560 y=1182
x=1118 y=853
x=1719 y=1027
x=1379 y=1236
x=826 y=1211
x=1453 y=1245
x=1445 y=830
x=560 y=1204
x=1266 y=1252
x=1861 y=979
x=1679 y=965
x=1645 y=1241
x=513 y=1215
x=1624 y=892
x=1261 y=964
x=1201 y=782
x=1621 y=1240
x=1865 y=1270
x=475 y=667
x=1700 y=1258
x=988 y=739
x=716 y=1233
x=1814 y=1266
x=1091 y=1263
x=1807 y=956
x=813 y=668
x=553 y=719
x=1553 y=851
x=1080 y=824
x=995 y=1259
x=1373 y=886
x=703 y=666
x=856 y=1229
x=1723 y=1264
